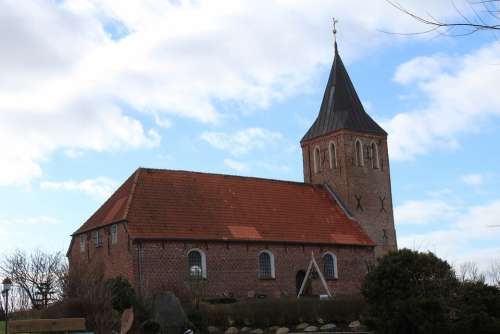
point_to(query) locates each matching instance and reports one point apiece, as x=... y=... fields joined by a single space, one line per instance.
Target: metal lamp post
x=7 y=285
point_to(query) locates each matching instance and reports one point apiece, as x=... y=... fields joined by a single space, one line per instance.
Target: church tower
x=346 y=150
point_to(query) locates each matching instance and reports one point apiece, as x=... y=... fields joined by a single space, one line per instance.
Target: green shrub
x=410 y=292
x=477 y=309
x=150 y=327
x=282 y=311
x=122 y=293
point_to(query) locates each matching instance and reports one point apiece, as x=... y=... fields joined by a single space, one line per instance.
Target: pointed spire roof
x=341 y=107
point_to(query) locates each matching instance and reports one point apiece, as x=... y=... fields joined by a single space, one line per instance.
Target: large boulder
x=232 y=330
x=311 y=329
x=282 y=330
x=302 y=326
x=257 y=331
x=168 y=312
x=328 y=327
x=355 y=325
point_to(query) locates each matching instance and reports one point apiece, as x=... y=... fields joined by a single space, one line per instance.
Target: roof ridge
x=81 y=229
x=225 y=175
x=132 y=191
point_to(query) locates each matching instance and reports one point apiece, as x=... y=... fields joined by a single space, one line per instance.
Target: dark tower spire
x=346 y=151
x=341 y=107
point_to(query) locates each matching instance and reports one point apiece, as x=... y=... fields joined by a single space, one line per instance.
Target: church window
x=330 y=266
x=97 y=239
x=114 y=234
x=266 y=265
x=333 y=155
x=317 y=160
x=83 y=239
x=359 y=153
x=197 y=264
x=375 y=159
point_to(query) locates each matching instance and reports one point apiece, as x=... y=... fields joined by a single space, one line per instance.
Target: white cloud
x=243 y=141
x=459 y=93
x=100 y=188
x=467 y=236
x=73 y=154
x=236 y=165
x=473 y=179
x=423 y=212
x=66 y=84
x=421 y=69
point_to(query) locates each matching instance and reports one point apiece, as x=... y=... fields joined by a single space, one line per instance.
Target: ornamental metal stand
x=308 y=276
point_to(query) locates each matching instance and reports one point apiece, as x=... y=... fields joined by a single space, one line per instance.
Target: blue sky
x=91 y=90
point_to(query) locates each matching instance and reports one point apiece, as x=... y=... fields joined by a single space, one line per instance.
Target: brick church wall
x=232 y=268
x=117 y=259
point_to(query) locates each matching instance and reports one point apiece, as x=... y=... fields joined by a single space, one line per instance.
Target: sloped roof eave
x=203 y=206
x=270 y=241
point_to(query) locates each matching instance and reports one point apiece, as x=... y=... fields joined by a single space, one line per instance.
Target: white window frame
x=203 y=261
x=335 y=268
x=333 y=154
x=83 y=241
x=114 y=234
x=316 y=159
x=360 y=161
x=375 y=156
x=273 y=269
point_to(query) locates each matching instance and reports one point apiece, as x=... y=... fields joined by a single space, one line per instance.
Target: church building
x=251 y=237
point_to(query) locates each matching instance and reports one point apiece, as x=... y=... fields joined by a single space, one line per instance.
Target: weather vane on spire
x=335 y=21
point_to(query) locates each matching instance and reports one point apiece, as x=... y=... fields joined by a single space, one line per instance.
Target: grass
x=2 y=327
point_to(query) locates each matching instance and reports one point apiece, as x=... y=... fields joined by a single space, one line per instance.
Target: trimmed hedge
x=283 y=311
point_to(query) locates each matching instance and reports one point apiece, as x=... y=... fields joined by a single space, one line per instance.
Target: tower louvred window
x=375 y=157
x=317 y=160
x=358 y=148
x=333 y=155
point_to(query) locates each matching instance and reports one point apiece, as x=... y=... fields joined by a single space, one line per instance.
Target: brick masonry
x=117 y=258
x=372 y=186
x=232 y=268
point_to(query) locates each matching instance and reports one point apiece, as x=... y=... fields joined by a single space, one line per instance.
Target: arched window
x=197 y=264
x=330 y=266
x=317 y=159
x=359 y=153
x=375 y=159
x=333 y=155
x=266 y=265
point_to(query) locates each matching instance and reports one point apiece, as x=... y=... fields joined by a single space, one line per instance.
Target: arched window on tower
x=375 y=158
x=359 y=153
x=197 y=264
x=266 y=265
x=317 y=159
x=333 y=155
x=330 y=266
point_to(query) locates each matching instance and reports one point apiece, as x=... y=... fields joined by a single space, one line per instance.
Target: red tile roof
x=167 y=204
